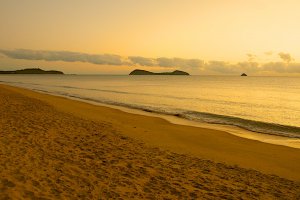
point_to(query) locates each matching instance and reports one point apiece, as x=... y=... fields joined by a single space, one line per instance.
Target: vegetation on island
x=144 y=72
x=31 y=71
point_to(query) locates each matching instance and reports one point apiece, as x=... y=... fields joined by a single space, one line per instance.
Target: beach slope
x=55 y=148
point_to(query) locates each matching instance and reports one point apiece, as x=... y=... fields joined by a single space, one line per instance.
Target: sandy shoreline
x=53 y=147
x=237 y=131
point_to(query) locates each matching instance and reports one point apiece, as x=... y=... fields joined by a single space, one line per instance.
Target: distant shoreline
x=32 y=71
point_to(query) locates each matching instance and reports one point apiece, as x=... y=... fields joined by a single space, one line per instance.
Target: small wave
x=251 y=125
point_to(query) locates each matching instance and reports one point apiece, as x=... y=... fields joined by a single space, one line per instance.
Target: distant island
x=31 y=71
x=243 y=74
x=144 y=72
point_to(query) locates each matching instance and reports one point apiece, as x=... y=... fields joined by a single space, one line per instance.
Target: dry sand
x=55 y=148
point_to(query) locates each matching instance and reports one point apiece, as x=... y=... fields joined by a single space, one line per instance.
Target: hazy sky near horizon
x=115 y=36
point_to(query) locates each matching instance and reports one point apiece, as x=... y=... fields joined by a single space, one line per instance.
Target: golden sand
x=56 y=148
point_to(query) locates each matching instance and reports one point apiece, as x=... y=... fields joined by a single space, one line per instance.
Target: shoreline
x=56 y=148
x=204 y=143
x=235 y=130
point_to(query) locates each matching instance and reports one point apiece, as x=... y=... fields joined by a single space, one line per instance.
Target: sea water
x=269 y=105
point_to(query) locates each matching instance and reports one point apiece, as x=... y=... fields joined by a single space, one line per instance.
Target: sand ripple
x=47 y=154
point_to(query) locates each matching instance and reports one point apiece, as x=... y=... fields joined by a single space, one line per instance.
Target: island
x=144 y=72
x=243 y=74
x=31 y=71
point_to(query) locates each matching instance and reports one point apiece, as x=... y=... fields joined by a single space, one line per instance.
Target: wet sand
x=56 y=148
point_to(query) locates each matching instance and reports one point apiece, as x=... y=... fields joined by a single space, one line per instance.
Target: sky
x=206 y=37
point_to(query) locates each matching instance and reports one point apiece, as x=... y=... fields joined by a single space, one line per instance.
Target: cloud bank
x=286 y=57
x=142 y=61
x=104 y=59
x=196 y=66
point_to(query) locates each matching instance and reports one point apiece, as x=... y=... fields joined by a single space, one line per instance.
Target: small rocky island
x=144 y=72
x=31 y=71
x=243 y=74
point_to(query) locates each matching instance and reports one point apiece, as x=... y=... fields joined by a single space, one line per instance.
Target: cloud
x=293 y=68
x=286 y=57
x=251 y=57
x=179 y=62
x=284 y=67
x=250 y=67
x=281 y=67
x=101 y=59
x=195 y=66
x=220 y=67
x=269 y=53
x=165 y=62
x=274 y=67
x=229 y=68
x=142 y=61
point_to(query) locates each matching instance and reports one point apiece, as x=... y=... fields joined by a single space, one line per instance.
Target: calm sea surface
x=262 y=104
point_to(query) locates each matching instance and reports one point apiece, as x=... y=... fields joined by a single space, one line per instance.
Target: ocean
x=269 y=105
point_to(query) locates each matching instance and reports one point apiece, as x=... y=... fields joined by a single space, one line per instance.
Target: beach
x=56 y=148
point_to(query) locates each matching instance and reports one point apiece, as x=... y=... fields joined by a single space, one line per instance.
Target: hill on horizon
x=31 y=71
x=144 y=72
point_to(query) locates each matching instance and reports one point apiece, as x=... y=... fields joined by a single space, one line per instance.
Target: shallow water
x=262 y=104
